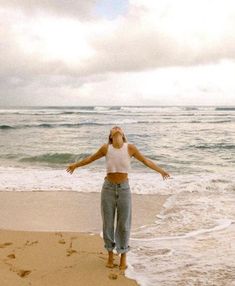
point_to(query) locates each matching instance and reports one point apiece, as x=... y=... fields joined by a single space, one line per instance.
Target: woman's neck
x=117 y=141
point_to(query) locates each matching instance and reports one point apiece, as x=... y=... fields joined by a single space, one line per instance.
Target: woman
x=115 y=192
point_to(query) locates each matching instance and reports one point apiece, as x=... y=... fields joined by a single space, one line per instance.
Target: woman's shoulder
x=131 y=145
x=131 y=149
x=104 y=148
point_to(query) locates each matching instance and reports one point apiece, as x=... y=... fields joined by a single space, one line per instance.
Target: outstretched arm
x=100 y=153
x=139 y=156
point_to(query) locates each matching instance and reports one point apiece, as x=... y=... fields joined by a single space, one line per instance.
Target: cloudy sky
x=108 y=52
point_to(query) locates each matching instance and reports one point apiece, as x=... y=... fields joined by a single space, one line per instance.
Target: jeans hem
x=123 y=250
x=109 y=248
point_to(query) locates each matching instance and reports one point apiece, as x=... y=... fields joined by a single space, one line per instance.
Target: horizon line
x=112 y=105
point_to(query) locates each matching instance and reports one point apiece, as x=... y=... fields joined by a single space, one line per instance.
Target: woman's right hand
x=71 y=168
x=165 y=175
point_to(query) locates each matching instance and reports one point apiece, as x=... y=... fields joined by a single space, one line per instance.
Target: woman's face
x=115 y=130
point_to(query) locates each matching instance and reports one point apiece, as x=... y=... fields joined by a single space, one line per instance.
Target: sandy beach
x=53 y=238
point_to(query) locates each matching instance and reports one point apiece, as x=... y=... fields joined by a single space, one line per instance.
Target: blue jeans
x=114 y=197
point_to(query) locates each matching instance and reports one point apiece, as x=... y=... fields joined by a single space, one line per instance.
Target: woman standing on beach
x=115 y=193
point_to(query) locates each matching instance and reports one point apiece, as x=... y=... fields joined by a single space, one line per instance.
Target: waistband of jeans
x=117 y=184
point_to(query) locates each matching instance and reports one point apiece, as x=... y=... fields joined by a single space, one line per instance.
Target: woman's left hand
x=71 y=168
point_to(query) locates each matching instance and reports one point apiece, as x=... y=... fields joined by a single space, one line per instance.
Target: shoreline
x=53 y=238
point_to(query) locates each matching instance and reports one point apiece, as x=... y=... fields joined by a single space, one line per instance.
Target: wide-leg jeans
x=116 y=199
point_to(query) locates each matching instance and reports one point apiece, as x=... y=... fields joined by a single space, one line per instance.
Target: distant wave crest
x=6 y=127
x=213 y=146
x=54 y=158
x=103 y=123
x=225 y=108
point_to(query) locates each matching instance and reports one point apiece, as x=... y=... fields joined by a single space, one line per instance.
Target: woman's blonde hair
x=110 y=139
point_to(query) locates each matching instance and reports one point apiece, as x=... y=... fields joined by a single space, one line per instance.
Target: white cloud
x=79 y=9
x=210 y=85
x=167 y=33
x=151 y=55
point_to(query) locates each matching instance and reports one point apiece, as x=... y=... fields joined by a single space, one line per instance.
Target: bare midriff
x=117 y=177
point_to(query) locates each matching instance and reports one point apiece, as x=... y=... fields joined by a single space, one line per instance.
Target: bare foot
x=123 y=264
x=123 y=267
x=110 y=264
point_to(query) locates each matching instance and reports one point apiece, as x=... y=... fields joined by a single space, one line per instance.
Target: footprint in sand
x=12 y=256
x=113 y=276
x=5 y=244
x=70 y=251
x=22 y=273
x=69 y=266
x=61 y=241
x=59 y=234
x=30 y=242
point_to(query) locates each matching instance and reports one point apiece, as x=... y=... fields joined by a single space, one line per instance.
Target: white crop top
x=117 y=159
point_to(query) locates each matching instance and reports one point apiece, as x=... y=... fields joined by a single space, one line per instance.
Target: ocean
x=192 y=240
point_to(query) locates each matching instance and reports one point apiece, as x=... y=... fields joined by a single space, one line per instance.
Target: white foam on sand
x=221 y=224
x=86 y=180
x=191 y=242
